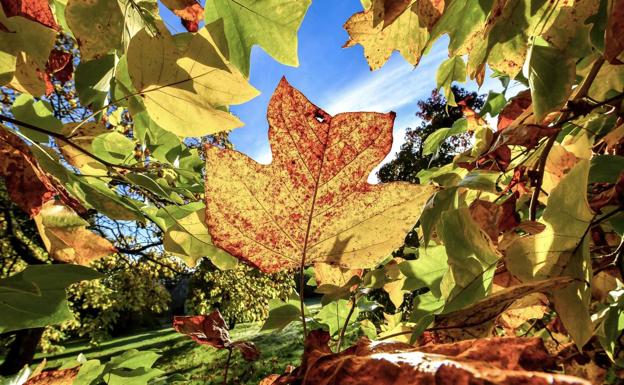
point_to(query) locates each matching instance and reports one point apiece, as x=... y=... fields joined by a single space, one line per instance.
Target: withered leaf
x=211 y=330
x=189 y=11
x=312 y=203
x=54 y=377
x=490 y=361
x=27 y=184
x=614 y=33
x=516 y=106
x=477 y=320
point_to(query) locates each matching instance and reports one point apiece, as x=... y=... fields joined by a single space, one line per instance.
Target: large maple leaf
x=313 y=202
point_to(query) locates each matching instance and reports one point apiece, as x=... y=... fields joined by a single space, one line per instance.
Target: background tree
x=435 y=114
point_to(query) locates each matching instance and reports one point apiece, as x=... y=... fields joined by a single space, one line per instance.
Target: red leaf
x=35 y=10
x=60 y=65
x=211 y=330
x=190 y=11
x=516 y=106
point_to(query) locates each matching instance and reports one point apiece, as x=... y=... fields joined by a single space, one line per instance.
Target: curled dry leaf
x=477 y=320
x=211 y=330
x=490 y=361
x=189 y=11
x=515 y=108
x=55 y=377
x=313 y=202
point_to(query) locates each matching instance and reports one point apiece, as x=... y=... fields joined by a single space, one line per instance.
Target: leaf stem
x=346 y=323
x=227 y=366
x=301 y=294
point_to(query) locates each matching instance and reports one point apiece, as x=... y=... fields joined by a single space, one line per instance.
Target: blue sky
x=336 y=79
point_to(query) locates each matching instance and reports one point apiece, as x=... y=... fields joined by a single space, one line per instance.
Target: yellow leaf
x=185 y=82
x=405 y=35
x=312 y=203
x=66 y=237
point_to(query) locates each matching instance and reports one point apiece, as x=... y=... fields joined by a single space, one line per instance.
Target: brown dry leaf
x=313 y=202
x=388 y=10
x=494 y=361
x=35 y=10
x=326 y=274
x=429 y=12
x=601 y=284
x=66 y=236
x=190 y=11
x=477 y=320
x=211 y=330
x=614 y=33
x=27 y=184
x=54 y=377
x=533 y=306
x=514 y=109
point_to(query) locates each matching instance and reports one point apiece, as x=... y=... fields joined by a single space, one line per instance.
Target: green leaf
x=551 y=75
x=139 y=376
x=440 y=202
x=35 y=297
x=272 y=24
x=93 y=81
x=113 y=147
x=562 y=249
x=611 y=321
x=452 y=69
x=98 y=26
x=472 y=259
x=605 y=168
x=281 y=314
x=334 y=315
x=427 y=270
x=369 y=329
x=435 y=140
x=186 y=234
x=493 y=104
x=482 y=180
x=38 y=113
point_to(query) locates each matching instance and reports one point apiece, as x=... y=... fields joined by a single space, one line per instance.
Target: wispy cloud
x=394 y=86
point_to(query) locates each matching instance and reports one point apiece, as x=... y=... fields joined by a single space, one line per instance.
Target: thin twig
x=227 y=366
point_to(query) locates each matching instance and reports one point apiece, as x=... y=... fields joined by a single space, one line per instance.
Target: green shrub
x=241 y=294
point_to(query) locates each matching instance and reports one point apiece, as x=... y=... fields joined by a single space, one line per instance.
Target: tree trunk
x=22 y=351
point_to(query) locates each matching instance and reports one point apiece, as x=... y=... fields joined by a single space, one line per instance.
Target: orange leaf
x=312 y=203
x=211 y=330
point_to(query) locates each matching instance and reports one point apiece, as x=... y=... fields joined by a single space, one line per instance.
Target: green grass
x=199 y=364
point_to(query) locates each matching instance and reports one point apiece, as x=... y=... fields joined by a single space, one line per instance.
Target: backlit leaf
x=189 y=11
x=562 y=249
x=451 y=70
x=272 y=24
x=312 y=203
x=335 y=314
x=66 y=237
x=185 y=83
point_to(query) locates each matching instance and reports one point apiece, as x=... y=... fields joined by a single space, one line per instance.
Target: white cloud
x=395 y=85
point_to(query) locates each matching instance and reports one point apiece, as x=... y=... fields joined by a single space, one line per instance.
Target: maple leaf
x=493 y=361
x=190 y=11
x=54 y=377
x=211 y=330
x=312 y=203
